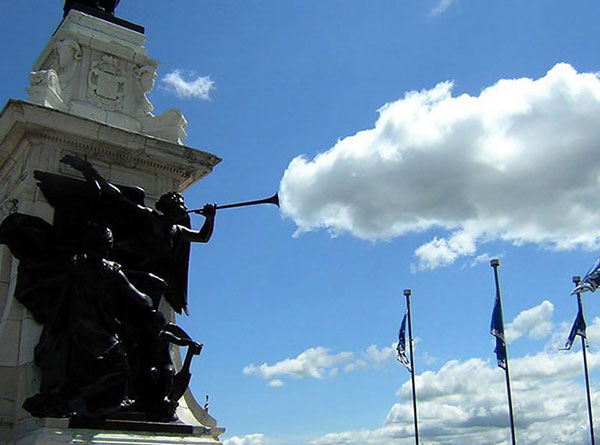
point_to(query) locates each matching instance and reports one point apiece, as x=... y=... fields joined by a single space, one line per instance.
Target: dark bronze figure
x=148 y=240
x=104 y=345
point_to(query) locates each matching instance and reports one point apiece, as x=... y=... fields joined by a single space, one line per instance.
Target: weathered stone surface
x=94 y=69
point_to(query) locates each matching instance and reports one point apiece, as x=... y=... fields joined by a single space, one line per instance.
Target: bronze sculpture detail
x=105 y=346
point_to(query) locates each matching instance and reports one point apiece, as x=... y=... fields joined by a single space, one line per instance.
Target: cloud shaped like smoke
x=520 y=163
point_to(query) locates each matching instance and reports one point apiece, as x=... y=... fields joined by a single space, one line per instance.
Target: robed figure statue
x=94 y=279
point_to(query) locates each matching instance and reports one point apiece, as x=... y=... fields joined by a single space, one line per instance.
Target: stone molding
x=97 y=70
x=33 y=137
x=26 y=123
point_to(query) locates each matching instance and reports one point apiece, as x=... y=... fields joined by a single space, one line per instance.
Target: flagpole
x=412 y=365
x=495 y=263
x=576 y=280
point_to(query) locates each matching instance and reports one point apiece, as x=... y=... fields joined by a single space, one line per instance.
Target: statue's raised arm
x=154 y=240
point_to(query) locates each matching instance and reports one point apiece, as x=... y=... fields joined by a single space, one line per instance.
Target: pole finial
x=407 y=292
x=495 y=262
x=576 y=279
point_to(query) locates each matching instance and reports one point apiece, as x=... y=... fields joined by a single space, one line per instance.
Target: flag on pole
x=497 y=330
x=401 y=348
x=577 y=329
x=206 y=405
x=591 y=281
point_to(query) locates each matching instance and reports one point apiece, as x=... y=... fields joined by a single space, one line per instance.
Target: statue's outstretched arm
x=91 y=175
x=203 y=235
x=98 y=182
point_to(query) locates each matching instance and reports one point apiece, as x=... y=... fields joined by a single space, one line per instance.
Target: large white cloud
x=519 y=162
x=465 y=401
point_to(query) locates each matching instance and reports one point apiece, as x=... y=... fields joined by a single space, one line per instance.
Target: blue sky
x=408 y=154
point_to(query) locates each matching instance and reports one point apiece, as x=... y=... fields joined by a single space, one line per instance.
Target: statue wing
x=43 y=262
x=76 y=202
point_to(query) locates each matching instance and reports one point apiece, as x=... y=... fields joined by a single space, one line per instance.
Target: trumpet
x=270 y=200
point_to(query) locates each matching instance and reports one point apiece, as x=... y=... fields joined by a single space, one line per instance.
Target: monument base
x=48 y=431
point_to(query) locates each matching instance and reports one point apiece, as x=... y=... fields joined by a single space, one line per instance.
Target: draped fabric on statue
x=143 y=240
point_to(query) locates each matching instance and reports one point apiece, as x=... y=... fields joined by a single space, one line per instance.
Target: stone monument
x=87 y=100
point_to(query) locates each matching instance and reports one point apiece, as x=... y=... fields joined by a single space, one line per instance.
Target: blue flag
x=577 y=329
x=401 y=348
x=591 y=281
x=497 y=330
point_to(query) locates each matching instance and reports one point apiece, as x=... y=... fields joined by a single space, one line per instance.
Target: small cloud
x=535 y=323
x=319 y=363
x=442 y=252
x=315 y=363
x=249 y=439
x=358 y=364
x=428 y=359
x=194 y=88
x=375 y=355
x=442 y=6
x=484 y=258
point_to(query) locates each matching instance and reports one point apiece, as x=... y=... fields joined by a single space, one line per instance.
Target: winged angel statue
x=94 y=279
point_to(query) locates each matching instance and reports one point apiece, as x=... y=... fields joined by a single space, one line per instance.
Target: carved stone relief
x=107 y=83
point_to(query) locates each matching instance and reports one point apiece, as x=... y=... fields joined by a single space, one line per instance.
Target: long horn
x=270 y=200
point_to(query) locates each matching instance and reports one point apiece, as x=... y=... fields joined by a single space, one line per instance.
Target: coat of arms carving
x=107 y=83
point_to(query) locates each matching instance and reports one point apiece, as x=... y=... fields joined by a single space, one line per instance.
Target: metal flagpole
x=576 y=280
x=412 y=365
x=495 y=263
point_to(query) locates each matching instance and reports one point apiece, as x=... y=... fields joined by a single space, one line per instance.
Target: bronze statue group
x=94 y=279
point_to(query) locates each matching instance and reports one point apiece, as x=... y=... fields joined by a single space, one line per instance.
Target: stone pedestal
x=59 y=432
x=87 y=97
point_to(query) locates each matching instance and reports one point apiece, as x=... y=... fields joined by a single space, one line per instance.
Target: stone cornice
x=20 y=119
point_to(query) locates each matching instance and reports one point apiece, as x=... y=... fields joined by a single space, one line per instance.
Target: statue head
x=97 y=240
x=171 y=204
x=146 y=75
x=67 y=51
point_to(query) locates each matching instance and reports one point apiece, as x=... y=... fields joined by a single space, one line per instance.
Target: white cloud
x=480 y=259
x=441 y=252
x=319 y=363
x=593 y=332
x=375 y=355
x=464 y=402
x=475 y=167
x=250 y=439
x=195 y=88
x=535 y=323
x=441 y=6
x=315 y=363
